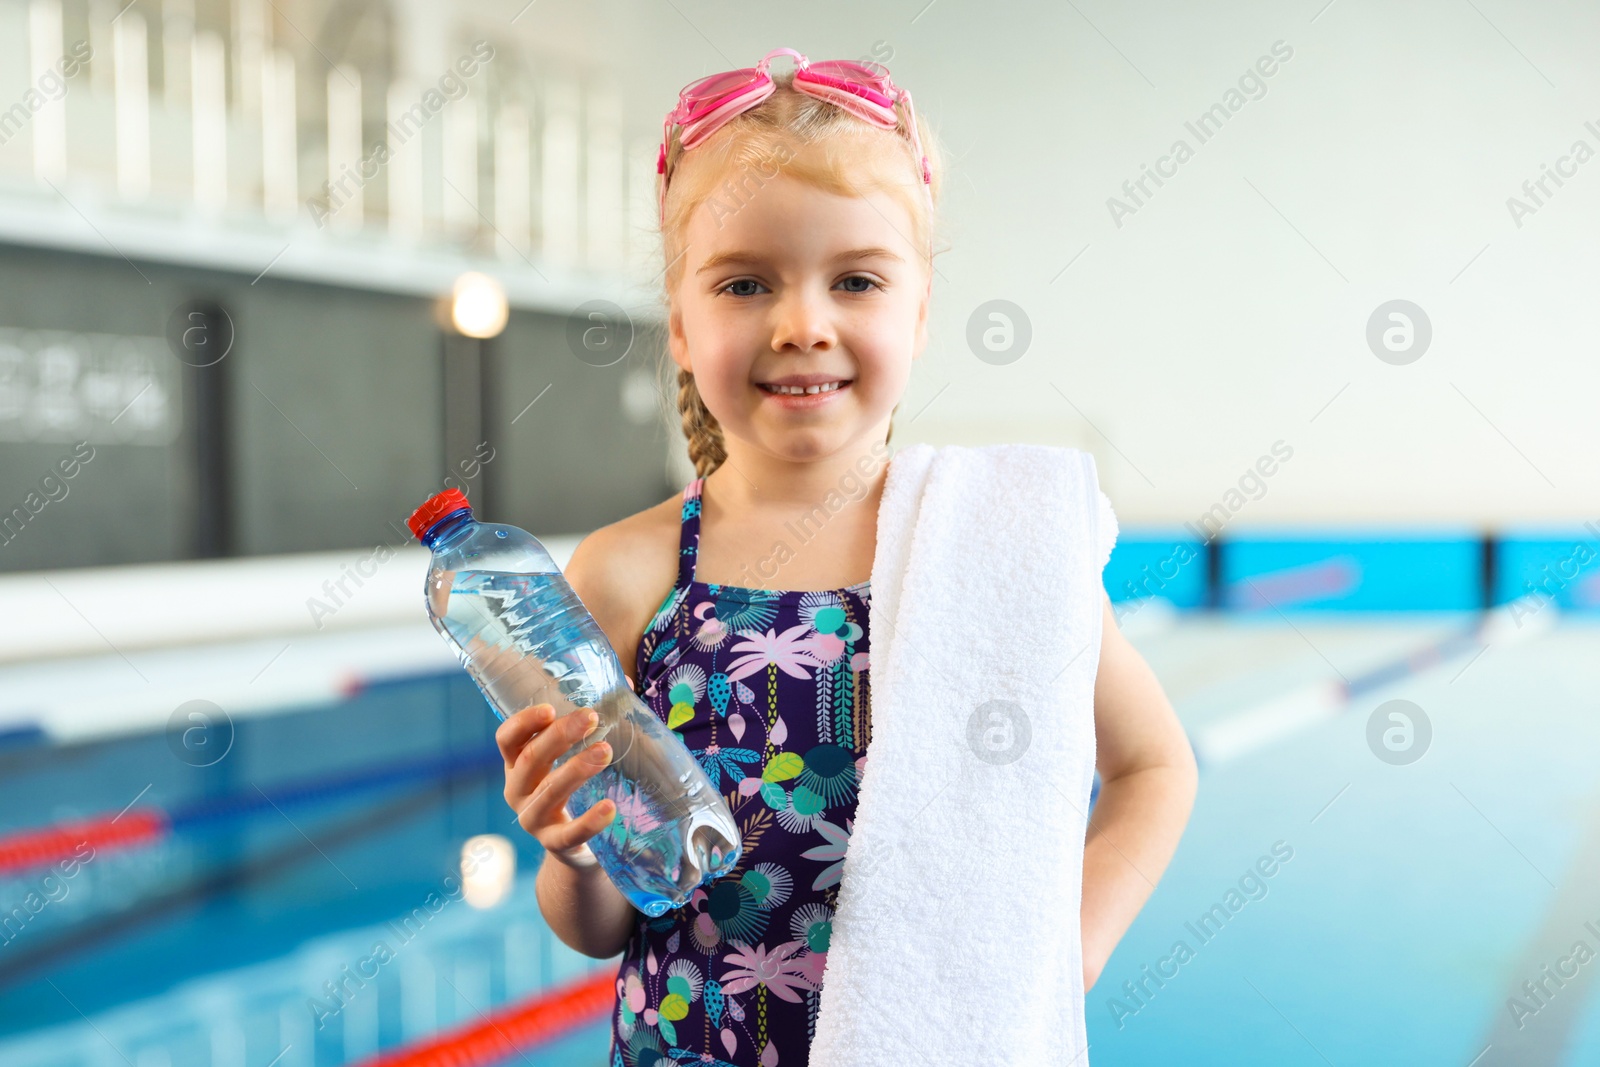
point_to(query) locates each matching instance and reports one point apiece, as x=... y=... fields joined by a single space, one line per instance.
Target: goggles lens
x=861 y=88
x=709 y=90
x=874 y=75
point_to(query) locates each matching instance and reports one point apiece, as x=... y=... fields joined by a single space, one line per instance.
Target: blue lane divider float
x=1153 y=563
x=1358 y=569
x=1387 y=570
x=1561 y=565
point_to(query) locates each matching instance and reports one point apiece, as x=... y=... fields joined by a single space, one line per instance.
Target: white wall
x=1230 y=310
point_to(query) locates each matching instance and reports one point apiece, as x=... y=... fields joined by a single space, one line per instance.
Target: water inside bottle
x=527 y=639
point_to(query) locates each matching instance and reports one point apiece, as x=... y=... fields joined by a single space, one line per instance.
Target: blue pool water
x=224 y=934
x=1417 y=900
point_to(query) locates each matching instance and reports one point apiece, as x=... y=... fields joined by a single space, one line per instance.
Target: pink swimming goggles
x=863 y=89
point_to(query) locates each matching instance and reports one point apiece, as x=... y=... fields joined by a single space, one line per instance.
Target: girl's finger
x=579 y=831
x=565 y=780
x=513 y=734
x=547 y=805
x=533 y=763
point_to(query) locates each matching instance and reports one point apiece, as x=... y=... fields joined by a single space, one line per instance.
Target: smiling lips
x=803 y=385
x=802 y=390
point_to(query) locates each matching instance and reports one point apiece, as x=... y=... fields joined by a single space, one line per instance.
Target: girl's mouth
x=814 y=389
x=804 y=393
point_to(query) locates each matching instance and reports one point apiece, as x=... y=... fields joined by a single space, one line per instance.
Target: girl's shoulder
x=622 y=572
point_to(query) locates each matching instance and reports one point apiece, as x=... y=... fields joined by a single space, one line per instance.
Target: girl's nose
x=803 y=322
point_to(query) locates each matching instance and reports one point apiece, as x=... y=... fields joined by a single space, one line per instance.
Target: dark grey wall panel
x=575 y=460
x=128 y=504
x=338 y=416
x=334 y=428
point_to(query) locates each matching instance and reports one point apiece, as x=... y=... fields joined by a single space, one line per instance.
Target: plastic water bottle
x=499 y=600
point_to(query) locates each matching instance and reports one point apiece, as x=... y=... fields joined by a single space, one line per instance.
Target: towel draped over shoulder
x=956 y=937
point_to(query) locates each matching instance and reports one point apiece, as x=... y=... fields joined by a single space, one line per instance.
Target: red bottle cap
x=437 y=507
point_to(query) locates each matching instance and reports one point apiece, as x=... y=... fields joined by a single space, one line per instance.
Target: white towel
x=956 y=937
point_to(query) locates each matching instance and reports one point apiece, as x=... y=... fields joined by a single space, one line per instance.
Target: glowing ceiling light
x=478 y=305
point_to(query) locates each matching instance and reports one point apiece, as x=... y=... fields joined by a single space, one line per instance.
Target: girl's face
x=799 y=314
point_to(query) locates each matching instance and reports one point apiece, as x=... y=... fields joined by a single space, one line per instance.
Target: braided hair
x=706 y=448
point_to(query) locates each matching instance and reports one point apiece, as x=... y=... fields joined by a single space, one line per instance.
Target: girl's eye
x=732 y=287
x=859 y=278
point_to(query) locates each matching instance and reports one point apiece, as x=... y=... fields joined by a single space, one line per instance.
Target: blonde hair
x=815 y=142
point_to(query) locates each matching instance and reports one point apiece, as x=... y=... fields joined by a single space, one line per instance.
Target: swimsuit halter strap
x=689 y=532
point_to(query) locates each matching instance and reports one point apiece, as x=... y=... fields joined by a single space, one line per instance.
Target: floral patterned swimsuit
x=769 y=691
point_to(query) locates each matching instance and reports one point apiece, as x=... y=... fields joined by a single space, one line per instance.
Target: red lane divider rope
x=22 y=849
x=514 y=1028
x=36 y=848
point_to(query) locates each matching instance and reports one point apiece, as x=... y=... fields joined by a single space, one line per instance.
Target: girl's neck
x=752 y=480
x=792 y=526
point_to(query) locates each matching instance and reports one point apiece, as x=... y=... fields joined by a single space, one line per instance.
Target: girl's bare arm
x=584 y=909
x=1148 y=780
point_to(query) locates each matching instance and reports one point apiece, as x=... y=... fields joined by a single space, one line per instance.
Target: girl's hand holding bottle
x=531 y=741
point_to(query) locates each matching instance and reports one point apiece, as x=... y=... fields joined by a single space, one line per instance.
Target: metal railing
x=254 y=116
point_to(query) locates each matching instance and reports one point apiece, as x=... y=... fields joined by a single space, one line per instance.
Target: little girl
x=796 y=214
